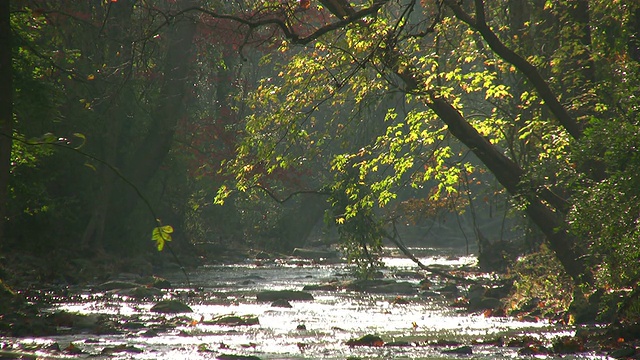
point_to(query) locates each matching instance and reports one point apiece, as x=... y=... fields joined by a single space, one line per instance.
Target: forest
x=136 y=133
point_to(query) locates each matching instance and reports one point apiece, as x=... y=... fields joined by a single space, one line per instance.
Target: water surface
x=315 y=329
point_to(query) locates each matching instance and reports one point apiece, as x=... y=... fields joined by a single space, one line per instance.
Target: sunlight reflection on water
x=397 y=262
x=329 y=320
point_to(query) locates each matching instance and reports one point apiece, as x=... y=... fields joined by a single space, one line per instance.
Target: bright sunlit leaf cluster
x=161 y=234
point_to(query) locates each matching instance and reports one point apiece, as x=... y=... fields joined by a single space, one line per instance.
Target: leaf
x=48 y=138
x=82 y=137
x=161 y=234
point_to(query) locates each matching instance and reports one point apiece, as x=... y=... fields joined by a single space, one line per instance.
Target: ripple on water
x=329 y=320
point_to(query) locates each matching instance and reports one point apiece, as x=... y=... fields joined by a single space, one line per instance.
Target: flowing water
x=309 y=329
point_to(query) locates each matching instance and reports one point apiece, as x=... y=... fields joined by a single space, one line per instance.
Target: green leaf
x=161 y=234
x=82 y=137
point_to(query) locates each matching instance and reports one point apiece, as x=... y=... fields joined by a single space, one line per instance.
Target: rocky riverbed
x=268 y=307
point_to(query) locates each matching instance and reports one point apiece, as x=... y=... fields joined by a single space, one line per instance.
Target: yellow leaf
x=161 y=234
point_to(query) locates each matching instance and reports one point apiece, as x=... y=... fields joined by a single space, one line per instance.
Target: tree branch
x=525 y=67
x=396 y=241
x=287 y=31
x=282 y=201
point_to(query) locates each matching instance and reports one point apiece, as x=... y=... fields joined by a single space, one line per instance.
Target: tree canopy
x=206 y=112
x=524 y=86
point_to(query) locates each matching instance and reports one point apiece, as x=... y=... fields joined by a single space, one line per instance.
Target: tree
x=452 y=58
x=6 y=109
x=165 y=110
x=123 y=69
x=24 y=72
x=124 y=111
x=369 y=98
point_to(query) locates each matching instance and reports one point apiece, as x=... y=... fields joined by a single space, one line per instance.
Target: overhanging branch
x=282 y=201
x=288 y=32
x=526 y=68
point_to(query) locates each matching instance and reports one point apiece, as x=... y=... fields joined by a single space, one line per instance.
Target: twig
x=282 y=201
x=395 y=239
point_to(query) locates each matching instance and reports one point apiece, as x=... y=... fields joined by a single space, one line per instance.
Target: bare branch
x=287 y=31
x=282 y=201
x=395 y=239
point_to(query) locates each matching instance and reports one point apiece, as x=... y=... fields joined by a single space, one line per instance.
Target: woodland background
x=272 y=124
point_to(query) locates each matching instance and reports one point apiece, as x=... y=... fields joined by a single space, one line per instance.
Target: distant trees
x=107 y=80
x=125 y=111
x=138 y=115
x=101 y=89
x=6 y=110
x=357 y=101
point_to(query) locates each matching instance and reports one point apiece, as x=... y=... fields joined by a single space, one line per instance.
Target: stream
x=422 y=326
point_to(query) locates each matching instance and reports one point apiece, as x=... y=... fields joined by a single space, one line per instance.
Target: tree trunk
x=510 y=176
x=297 y=221
x=118 y=54
x=579 y=14
x=152 y=150
x=507 y=172
x=6 y=111
x=170 y=105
